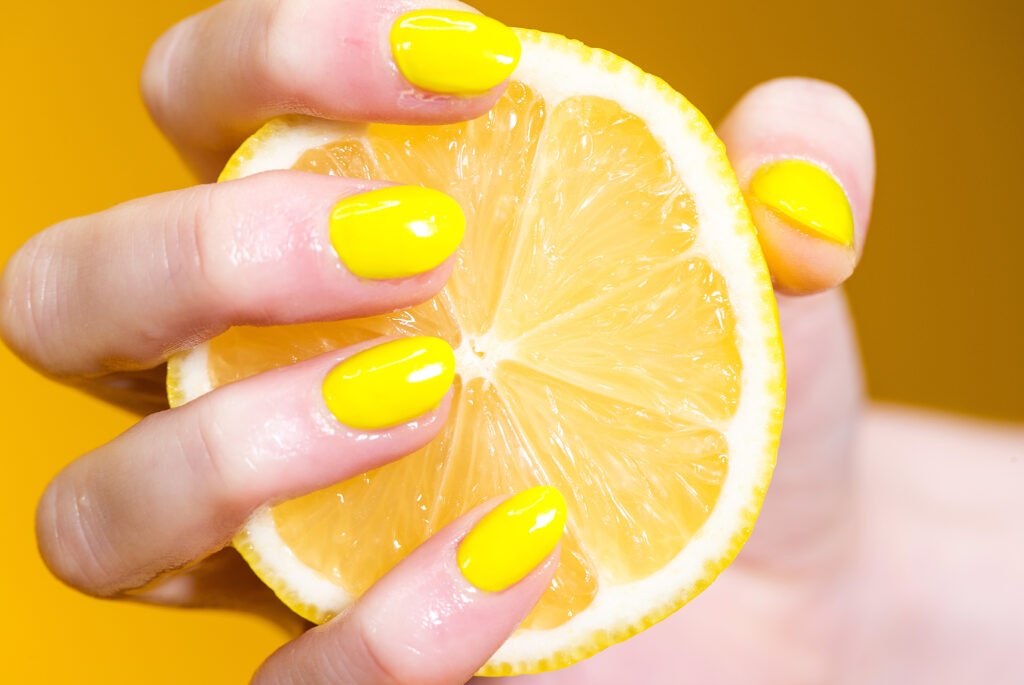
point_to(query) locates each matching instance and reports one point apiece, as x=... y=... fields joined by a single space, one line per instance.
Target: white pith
x=555 y=74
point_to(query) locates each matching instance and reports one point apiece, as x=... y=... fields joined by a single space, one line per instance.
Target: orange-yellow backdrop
x=937 y=298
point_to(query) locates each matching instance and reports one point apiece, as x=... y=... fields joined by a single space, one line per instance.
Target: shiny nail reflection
x=391 y=383
x=396 y=232
x=513 y=538
x=453 y=52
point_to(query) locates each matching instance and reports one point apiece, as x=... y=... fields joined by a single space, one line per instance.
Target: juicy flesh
x=596 y=349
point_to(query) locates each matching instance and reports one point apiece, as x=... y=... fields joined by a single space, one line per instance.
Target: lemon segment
x=615 y=336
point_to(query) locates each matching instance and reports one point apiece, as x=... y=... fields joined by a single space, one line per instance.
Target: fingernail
x=457 y=53
x=391 y=383
x=396 y=232
x=808 y=195
x=513 y=538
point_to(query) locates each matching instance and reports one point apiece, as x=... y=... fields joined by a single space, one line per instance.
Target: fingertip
x=396 y=231
x=423 y=621
x=367 y=68
x=804 y=224
x=513 y=539
x=430 y=583
x=453 y=52
x=390 y=383
x=325 y=58
x=288 y=264
x=803 y=154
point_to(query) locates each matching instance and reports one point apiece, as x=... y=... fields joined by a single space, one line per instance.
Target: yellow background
x=937 y=298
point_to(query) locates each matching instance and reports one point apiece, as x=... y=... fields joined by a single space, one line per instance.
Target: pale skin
x=888 y=550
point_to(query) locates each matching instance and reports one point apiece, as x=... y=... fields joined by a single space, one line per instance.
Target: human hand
x=216 y=98
x=101 y=301
x=777 y=614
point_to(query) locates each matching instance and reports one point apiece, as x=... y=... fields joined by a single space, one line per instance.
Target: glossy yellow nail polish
x=513 y=538
x=396 y=232
x=391 y=383
x=808 y=195
x=452 y=52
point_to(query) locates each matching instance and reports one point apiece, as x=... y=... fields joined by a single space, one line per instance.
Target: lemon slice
x=615 y=333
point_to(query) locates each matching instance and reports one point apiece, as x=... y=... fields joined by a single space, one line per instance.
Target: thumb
x=799 y=218
x=804 y=517
x=805 y=160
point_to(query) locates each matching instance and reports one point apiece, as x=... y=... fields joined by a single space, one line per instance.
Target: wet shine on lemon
x=615 y=336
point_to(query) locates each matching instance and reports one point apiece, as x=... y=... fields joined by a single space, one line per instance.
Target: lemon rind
x=558 y=68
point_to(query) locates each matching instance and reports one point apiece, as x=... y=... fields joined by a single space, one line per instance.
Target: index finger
x=212 y=79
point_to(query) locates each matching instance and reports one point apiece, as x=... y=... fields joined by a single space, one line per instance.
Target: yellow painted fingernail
x=396 y=232
x=452 y=52
x=808 y=195
x=391 y=383
x=513 y=538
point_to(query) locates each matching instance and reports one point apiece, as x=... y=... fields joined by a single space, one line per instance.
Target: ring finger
x=179 y=484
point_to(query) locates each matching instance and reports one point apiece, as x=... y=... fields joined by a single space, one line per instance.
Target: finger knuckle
x=377 y=660
x=157 y=77
x=211 y=460
x=71 y=539
x=240 y=247
x=30 y=298
x=193 y=248
x=380 y=653
x=281 y=57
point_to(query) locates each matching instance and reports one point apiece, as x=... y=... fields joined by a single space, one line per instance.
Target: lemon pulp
x=597 y=350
